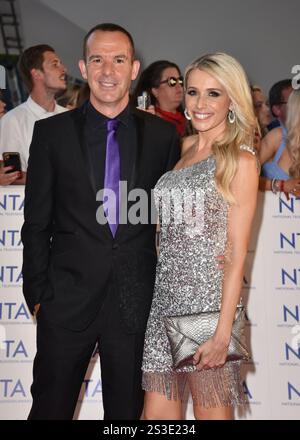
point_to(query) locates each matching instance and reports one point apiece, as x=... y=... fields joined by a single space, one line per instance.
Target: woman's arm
x=269 y=145
x=290 y=186
x=240 y=217
x=213 y=353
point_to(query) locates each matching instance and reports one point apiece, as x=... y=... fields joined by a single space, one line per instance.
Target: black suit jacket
x=69 y=259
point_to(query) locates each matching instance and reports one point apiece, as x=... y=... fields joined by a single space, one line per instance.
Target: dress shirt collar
x=96 y=118
x=39 y=111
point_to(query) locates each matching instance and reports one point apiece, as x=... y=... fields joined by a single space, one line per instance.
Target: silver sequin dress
x=188 y=281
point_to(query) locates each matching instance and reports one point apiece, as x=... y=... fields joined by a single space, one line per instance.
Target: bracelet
x=281 y=185
x=274 y=186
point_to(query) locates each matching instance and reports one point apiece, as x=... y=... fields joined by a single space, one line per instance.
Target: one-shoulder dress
x=193 y=219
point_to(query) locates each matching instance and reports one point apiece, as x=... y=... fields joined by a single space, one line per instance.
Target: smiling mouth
x=107 y=84
x=202 y=116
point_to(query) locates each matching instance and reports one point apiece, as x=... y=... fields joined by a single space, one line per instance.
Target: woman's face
x=207 y=102
x=2 y=108
x=168 y=98
x=261 y=108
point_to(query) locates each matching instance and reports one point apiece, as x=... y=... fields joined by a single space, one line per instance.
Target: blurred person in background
x=83 y=95
x=261 y=109
x=44 y=75
x=163 y=82
x=280 y=153
x=69 y=99
x=262 y=113
x=278 y=97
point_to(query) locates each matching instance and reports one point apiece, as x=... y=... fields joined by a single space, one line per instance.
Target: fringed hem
x=218 y=387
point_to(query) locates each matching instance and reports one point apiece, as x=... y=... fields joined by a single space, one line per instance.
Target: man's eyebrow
x=91 y=57
x=122 y=55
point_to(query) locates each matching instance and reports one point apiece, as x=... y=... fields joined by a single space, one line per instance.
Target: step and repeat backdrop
x=271 y=292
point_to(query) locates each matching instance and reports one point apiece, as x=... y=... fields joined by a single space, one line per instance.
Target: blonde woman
x=280 y=153
x=220 y=165
x=262 y=113
x=261 y=109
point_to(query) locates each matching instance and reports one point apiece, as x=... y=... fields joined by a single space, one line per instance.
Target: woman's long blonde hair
x=293 y=132
x=228 y=71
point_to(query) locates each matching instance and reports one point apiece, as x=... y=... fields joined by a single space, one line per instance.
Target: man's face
x=280 y=110
x=109 y=70
x=53 y=73
x=284 y=98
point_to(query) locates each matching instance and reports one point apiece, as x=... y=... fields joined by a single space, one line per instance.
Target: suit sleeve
x=37 y=227
x=174 y=152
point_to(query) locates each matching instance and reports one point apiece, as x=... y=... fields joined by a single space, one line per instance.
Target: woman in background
x=280 y=153
x=163 y=82
x=261 y=109
x=263 y=115
x=70 y=97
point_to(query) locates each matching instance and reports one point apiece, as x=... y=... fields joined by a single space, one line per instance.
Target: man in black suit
x=86 y=284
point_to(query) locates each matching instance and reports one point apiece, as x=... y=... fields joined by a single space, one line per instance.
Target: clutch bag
x=186 y=333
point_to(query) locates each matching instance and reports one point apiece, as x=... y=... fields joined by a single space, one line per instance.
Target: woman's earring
x=231 y=116
x=187 y=115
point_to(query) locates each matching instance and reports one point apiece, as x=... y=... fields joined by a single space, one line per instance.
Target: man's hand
x=22 y=179
x=36 y=309
x=9 y=178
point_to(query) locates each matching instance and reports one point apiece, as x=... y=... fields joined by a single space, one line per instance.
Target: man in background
x=278 y=97
x=44 y=76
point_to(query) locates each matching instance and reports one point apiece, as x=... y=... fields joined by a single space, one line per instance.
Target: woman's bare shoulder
x=273 y=137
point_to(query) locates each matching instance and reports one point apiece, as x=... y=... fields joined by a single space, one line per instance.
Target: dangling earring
x=187 y=115
x=231 y=116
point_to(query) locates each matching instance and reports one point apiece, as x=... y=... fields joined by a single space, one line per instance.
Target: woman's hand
x=291 y=186
x=212 y=354
x=150 y=109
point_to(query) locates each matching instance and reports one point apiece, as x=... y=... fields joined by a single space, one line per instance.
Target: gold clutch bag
x=186 y=333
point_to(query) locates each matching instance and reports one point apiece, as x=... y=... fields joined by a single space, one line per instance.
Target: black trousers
x=63 y=357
